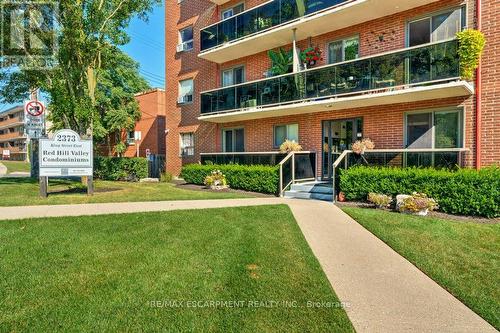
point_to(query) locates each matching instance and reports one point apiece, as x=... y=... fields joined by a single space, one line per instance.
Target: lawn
x=16 y=166
x=125 y=273
x=464 y=258
x=25 y=191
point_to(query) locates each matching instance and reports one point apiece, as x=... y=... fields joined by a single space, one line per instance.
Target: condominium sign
x=66 y=154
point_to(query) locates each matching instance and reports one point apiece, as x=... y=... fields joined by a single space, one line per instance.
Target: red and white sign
x=34 y=108
x=34 y=118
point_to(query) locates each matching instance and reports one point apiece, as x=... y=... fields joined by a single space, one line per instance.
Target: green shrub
x=465 y=192
x=120 y=168
x=471 y=46
x=166 y=177
x=255 y=178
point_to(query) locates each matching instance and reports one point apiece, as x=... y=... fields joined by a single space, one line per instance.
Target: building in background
x=13 y=140
x=150 y=129
x=386 y=70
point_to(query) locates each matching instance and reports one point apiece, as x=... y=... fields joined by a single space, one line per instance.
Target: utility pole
x=34 y=144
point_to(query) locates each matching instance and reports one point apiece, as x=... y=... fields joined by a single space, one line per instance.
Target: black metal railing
x=261 y=18
x=423 y=65
x=265 y=158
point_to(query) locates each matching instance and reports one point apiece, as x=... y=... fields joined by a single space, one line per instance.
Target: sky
x=147 y=47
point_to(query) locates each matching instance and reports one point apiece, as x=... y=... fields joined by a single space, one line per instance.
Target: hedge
x=464 y=192
x=120 y=168
x=255 y=178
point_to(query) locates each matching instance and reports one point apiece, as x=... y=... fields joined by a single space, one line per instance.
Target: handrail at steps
x=291 y=155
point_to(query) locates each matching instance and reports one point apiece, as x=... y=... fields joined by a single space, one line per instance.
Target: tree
x=91 y=88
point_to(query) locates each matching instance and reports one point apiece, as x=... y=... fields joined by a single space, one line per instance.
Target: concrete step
x=308 y=195
x=322 y=188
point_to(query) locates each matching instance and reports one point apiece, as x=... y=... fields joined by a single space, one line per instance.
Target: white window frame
x=186 y=42
x=189 y=100
x=343 y=40
x=287 y=132
x=461 y=124
x=463 y=25
x=131 y=139
x=231 y=9
x=231 y=69
x=186 y=151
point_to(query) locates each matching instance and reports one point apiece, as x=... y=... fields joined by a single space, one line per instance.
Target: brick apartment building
x=388 y=71
x=13 y=141
x=148 y=135
x=151 y=125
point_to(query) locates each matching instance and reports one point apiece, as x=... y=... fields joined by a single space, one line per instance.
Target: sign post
x=34 y=124
x=66 y=154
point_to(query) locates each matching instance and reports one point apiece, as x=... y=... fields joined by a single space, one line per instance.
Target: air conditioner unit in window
x=184 y=47
x=185 y=99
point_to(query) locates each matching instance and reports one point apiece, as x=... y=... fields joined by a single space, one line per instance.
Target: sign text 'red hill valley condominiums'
x=65 y=155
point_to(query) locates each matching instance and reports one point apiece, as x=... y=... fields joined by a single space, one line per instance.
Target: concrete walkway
x=384 y=292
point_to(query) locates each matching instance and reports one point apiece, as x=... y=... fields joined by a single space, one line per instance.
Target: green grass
x=16 y=166
x=25 y=191
x=101 y=273
x=464 y=258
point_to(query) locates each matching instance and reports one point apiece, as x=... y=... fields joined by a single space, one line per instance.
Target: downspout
x=478 y=95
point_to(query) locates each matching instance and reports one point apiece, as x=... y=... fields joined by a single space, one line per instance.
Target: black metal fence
x=156 y=166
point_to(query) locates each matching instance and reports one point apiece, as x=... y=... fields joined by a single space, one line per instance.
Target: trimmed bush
x=464 y=192
x=255 y=178
x=120 y=168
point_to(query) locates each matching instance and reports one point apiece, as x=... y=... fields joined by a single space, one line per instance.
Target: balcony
x=12 y=122
x=413 y=74
x=270 y=25
x=220 y=2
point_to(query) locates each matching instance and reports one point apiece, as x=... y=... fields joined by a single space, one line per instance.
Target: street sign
x=34 y=118
x=66 y=154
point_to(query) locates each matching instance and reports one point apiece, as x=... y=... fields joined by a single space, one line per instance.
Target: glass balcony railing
x=423 y=65
x=261 y=18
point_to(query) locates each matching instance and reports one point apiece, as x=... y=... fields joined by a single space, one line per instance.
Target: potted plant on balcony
x=281 y=61
x=290 y=146
x=359 y=147
x=311 y=56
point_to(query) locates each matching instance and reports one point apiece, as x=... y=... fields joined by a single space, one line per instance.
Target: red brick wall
x=151 y=125
x=491 y=83
x=383 y=124
x=183 y=118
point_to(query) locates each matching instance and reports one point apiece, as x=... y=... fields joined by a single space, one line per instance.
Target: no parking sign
x=34 y=118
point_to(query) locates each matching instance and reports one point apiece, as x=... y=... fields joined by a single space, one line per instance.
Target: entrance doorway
x=338 y=135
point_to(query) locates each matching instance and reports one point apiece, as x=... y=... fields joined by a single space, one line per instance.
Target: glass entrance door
x=338 y=135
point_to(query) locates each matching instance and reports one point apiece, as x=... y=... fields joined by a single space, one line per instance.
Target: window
x=227 y=13
x=187 y=144
x=233 y=140
x=131 y=137
x=186 y=90
x=285 y=132
x=437 y=27
x=185 y=39
x=438 y=129
x=343 y=50
x=233 y=76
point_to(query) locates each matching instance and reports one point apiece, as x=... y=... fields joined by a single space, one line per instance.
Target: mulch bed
x=456 y=218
